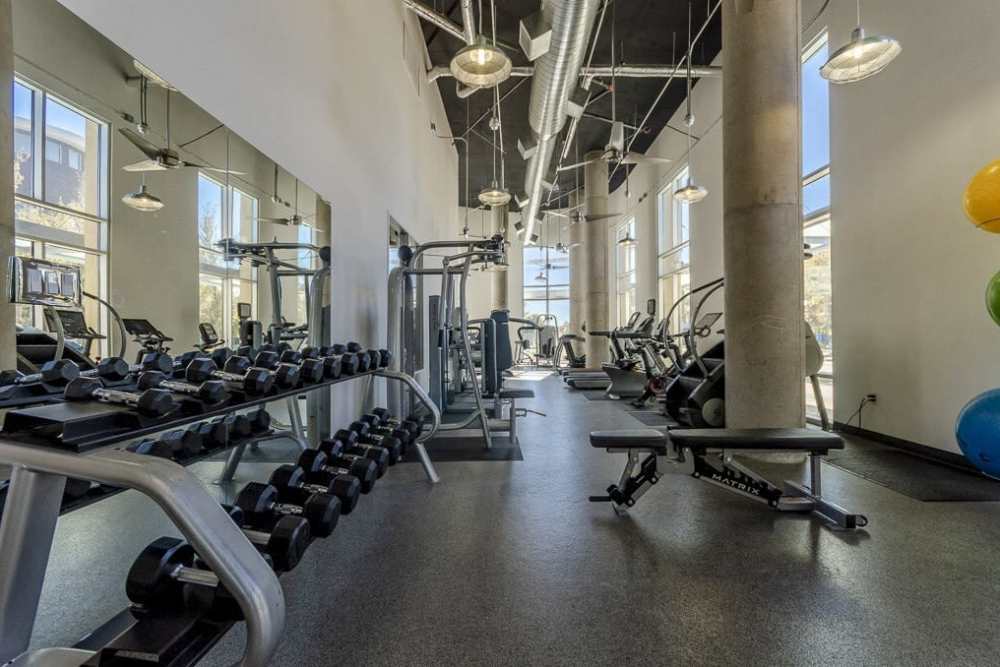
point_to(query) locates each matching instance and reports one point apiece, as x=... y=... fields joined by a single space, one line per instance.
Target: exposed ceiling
x=643 y=35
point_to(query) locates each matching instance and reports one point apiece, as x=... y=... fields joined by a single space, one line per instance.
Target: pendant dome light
x=690 y=193
x=142 y=200
x=860 y=58
x=496 y=194
x=481 y=64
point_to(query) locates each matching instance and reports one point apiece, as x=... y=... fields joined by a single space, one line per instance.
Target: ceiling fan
x=576 y=216
x=615 y=153
x=161 y=159
x=295 y=219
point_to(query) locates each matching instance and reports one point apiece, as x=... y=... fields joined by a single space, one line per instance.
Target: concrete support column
x=595 y=257
x=577 y=278
x=498 y=225
x=765 y=338
x=8 y=339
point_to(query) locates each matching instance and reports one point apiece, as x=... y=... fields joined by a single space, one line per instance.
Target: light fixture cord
x=168 y=118
x=689 y=121
x=859 y=13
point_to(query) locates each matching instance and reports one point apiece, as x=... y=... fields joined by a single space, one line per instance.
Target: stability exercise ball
x=993 y=297
x=982 y=198
x=977 y=430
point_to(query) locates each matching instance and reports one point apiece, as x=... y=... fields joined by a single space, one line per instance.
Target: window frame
x=549 y=286
x=39 y=236
x=228 y=272
x=626 y=277
x=676 y=246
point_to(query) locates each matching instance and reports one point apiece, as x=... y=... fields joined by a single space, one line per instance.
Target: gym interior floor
x=507 y=563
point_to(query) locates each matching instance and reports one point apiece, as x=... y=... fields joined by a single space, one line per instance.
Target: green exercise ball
x=993 y=297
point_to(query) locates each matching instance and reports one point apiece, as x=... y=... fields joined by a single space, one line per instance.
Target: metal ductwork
x=441 y=21
x=555 y=77
x=621 y=72
x=469 y=22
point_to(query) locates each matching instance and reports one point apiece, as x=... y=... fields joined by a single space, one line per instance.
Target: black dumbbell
x=220 y=356
x=116 y=369
x=260 y=421
x=384 y=358
x=214 y=434
x=411 y=425
x=162 y=573
x=253 y=381
x=377 y=426
x=310 y=370
x=181 y=362
x=56 y=373
x=350 y=363
x=366 y=435
x=239 y=427
x=354 y=445
x=321 y=467
x=286 y=375
x=151 y=447
x=75 y=489
x=262 y=509
x=183 y=443
x=210 y=391
x=333 y=365
x=374 y=358
x=292 y=486
x=152 y=402
x=285 y=542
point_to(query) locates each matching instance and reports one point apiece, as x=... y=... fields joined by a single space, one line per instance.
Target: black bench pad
x=781 y=439
x=517 y=393
x=642 y=438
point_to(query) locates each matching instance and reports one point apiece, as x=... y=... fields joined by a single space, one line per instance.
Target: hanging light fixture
x=142 y=200
x=627 y=240
x=481 y=64
x=689 y=193
x=496 y=194
x=860 y=58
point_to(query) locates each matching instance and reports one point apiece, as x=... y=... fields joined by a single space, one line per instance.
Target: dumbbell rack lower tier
x=47 y=444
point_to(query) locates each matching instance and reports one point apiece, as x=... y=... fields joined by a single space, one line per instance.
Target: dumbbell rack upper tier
x=87 y=425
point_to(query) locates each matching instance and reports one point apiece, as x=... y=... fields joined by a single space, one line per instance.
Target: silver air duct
x=555 y=77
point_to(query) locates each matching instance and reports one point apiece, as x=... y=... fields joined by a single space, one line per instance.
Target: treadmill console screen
x=38 y=282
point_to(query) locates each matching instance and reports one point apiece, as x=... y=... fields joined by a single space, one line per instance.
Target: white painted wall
x=330 y=89
x=909 y=272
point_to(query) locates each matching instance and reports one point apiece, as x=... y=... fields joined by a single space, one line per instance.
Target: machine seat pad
x=642 y=438
x=517 y=393
x=781 y=439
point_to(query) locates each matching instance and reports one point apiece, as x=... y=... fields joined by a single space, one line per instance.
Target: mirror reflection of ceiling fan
x=615 y=153
x=295 y=219
x=162 y=158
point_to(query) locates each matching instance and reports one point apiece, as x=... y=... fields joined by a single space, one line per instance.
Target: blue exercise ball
x=978 y=431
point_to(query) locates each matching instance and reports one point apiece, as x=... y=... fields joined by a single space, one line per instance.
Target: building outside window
x=625 y=270
x=817 y=222
x=224 y=284
x=674 y=244
x=61 y=206
x=546 y=286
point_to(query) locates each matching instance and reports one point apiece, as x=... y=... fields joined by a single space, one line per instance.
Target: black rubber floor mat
x=653 y=418
x=448 y=449
x=911 y=475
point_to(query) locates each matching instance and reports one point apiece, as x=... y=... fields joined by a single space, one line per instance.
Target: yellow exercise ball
x=982 y=198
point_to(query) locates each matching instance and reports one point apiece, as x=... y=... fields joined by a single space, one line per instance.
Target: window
x=546 y=286
x=625 y=270
x=817 y=222
x=673 y=265
x=224 y=284
x=61 y=202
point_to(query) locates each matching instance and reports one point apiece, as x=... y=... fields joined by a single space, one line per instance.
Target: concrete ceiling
x=643 y=34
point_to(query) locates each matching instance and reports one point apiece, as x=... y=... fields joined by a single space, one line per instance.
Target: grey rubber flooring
x=506 y=563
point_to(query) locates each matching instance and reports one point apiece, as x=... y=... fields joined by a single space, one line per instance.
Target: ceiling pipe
x=469 y=22
x=624 y=71
x=431 y=16
x=556 y=75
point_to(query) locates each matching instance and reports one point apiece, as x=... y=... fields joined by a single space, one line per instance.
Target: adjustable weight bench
x=707 y=454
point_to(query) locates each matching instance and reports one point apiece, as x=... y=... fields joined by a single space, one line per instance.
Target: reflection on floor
x=506 y=563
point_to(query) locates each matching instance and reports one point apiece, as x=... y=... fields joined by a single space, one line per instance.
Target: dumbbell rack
x=46 y=444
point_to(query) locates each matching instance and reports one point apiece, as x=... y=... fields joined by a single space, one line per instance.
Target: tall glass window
x=61 y=201
x=223 y=284
x=673 y=266
x=546 y=286
x=625 y=270
x=816 y=216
